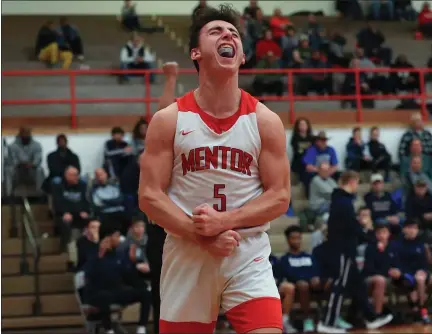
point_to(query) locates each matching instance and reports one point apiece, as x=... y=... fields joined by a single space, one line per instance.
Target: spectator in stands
x=303 y=53
x=88 y=243
x=202 y=4
x=425 y=20
x=289 y=42
x=404 y=10
x=371 y=40
x=358 y=156
x=266 y=45
x=419 y=207
x=381 y=159
x=298 y=268
x=411 y=256
x=117 y=152
x=403 y=81
x=72 y=38
x=268 y=83
x=380 y=266
x=365 y=220
x=416 y=172
x=138 y=136
x=59 y=160
x=257 y=26
x=70 y=205
x=316 y=33
x=106 y=277
x=382 y=9
x=108 y=203
x=376 y=81
x=349 y=9
x=416 y=149
x=251 y=10
x=278 y=24
x=417 y=130
x=134 y=55
x=301 y=140
x=129 y=18
x=321 y=83
x=47 y=48
x=321 y=188
x=336 y=53
x=316 y=154
x=248 y=47
x=24 y=162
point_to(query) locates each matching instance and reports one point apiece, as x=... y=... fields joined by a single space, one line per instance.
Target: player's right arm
x=170 y=71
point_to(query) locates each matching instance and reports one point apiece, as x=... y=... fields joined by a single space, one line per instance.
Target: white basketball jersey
x=215 y=160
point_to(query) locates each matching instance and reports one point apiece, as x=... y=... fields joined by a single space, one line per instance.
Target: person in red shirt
x=278 y=24
x=424 y=20
x=267 y=44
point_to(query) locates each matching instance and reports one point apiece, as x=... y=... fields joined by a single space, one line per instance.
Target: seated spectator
x=316 y=33
x=349 y=9
x=316 y=154
x=424 y=20
x=403 y=81
x=301 y=140
x=418 y=131
x=415 y=173
x=358 y=156
x=88 y=243
x=202 y=4
x=72 y=38
x=106 y=276
x=248 y=47
x=303 y=53
x=257 y=27
x=383 y=208
x=70 y=205
x=419 y=207
x=138 y=136
x=289 y=42
x=108 y=203
x=134 y=55
x=377 y=82
x=336 y=52
x=59 y=160
x=404 y=10
x=266 y=45
x=380 y=266
x=381 y=159
x=270 y=83
x=117 y=153
x=371 y=40
x=349 y=86
x=321 y=188
x=251 y=10
x=129 y=18
x=416 y=149
x=411 y=255
x=365 y=220
x=297 y=267
x=321 y=83
x=382 y=9
x=25 y=159
x=278 y=24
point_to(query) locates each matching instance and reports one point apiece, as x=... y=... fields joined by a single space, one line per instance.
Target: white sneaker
x=321 y=328
x=341 y=323
x=141 y=330
x=379 y=322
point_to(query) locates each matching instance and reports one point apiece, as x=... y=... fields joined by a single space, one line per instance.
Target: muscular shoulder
x=163 y=124
x=269 y=123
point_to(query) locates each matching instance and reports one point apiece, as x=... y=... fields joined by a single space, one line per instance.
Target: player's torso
x=215 y=161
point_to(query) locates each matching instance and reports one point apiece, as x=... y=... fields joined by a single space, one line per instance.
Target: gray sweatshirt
x=30 y=153
x=320 y=191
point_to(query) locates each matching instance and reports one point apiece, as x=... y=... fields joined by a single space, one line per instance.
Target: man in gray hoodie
x=25 y=162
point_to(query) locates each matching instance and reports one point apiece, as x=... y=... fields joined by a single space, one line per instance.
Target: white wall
x=89 y=147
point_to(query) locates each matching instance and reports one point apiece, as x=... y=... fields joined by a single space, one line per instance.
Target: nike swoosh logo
x=184 y=133
x=258 y=259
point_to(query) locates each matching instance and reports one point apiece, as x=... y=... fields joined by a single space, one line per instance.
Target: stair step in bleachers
x=12 y=246
x=49 y=283
x=48 y=264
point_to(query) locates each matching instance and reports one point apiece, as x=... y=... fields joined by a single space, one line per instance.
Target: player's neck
x=220 y=97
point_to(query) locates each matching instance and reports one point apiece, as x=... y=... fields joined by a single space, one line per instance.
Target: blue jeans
x=376 y=8
x=138 y=66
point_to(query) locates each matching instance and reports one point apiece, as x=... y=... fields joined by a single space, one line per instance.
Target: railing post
x=72 y=83
x=24 y=265
x=37 y=307
x=291 y=97
x=147 y=95
x=422 y=87
x=359 y=113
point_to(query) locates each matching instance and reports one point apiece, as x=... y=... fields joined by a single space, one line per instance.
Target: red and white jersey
x=215 y=160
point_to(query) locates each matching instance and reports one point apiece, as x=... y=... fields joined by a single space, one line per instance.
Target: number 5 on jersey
x=219 y=195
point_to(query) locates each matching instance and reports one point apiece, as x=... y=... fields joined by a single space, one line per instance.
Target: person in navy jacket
x=298 y=268
x=412 y=261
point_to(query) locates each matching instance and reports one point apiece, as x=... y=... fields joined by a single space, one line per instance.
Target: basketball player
x=214 y=173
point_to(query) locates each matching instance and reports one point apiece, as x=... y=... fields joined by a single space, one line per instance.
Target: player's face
x=410 y=232
x=294 y=240
x=382 y=235
x=220 y=47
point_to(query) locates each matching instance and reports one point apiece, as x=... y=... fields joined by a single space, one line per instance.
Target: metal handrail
x=31 y=234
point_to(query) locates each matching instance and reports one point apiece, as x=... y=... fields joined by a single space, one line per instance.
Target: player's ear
x=195 y=54
x=243 y=59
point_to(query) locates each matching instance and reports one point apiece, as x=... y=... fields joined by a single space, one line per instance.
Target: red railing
x=73 y=100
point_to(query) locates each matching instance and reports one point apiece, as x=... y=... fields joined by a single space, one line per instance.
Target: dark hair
x=61 y=136
x=116 y=130
x=292 y=229
x=374 y=128
x=297 y=125
x=381 y=226
x=356 y=129
x=136 y=134
x=224 y=12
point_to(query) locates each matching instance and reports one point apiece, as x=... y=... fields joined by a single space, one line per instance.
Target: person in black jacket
x=403 y=80
x=59 y=160
x=106 y=276
x=344 y=234
x=371 y=40
x=381 y=159
x=70 y=205
x=419 y=207
x=88 y=244
x=117 y=153
x=358 y=157
x=302 y=137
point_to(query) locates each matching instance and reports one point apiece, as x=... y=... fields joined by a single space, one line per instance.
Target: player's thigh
x=190 y=294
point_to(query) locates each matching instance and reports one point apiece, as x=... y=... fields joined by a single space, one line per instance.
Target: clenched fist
x=222 y=245
x=170 y=69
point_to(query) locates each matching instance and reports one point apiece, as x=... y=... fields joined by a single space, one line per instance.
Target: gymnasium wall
x=89 y=147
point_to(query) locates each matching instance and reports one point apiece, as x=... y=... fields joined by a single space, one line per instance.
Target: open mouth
x=226 y=51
